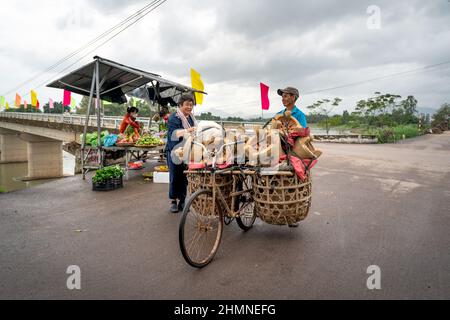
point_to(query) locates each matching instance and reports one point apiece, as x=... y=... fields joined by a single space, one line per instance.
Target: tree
x=346 y=117
x=209 y=117
x=82 y=109
x=21 y=109
x=386 y=110
x=409 y=107
x=57 y=108
x=234 y=119
x=441 y=117
x=325 y=107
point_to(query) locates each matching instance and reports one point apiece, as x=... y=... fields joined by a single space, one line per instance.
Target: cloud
x=237 y=44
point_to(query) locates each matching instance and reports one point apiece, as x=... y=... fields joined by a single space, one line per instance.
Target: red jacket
x=128 y=120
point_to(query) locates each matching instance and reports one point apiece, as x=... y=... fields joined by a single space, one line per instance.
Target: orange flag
x=18 y=100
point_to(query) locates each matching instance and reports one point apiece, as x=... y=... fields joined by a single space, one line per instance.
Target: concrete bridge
x=38 y=138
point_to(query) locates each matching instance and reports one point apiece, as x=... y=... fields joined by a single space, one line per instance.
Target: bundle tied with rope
x=282 y=199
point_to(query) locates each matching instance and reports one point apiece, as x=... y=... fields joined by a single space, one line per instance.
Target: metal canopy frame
x=107 y=80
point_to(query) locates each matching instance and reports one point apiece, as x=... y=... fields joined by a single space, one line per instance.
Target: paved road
x=384 y=205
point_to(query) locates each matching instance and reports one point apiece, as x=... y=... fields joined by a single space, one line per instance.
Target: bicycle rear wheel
x=246 y=205
x=201 y=229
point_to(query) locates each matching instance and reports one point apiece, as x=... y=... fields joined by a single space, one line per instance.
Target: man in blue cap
x=290 y=96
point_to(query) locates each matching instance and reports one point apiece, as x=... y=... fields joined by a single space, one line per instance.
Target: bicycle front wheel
x=201 y=229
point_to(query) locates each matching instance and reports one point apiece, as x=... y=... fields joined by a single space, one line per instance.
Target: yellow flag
x=34 y=98
x=197 y=84
x=7 y=106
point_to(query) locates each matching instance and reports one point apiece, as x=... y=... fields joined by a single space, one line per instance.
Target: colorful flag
x=34 y=100
x=67 y=98
x=2 y=101
x=197 y=84
x=18 y=100
x=25 y=104
x=38 y=104
x=73 y=104
x=51 y=104
x=265 y=102
x=7 y=106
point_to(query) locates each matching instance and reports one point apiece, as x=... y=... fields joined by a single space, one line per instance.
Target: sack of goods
x=253 y=148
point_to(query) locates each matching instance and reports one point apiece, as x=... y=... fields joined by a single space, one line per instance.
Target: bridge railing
x=106 y=122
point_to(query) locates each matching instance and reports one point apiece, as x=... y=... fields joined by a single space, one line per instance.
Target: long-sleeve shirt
x=128 y=120
x=175 y=124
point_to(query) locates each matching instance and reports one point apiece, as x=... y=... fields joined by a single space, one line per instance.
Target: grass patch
x=394 y=134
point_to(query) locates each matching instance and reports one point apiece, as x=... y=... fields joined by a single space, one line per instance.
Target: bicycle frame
x=238 y=177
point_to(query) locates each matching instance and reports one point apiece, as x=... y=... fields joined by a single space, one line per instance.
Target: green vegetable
x=129 y=132
x=148 y=140
x=108 y=173
x=92 y=138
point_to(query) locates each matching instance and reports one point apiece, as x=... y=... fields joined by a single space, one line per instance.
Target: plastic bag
x=110 y=140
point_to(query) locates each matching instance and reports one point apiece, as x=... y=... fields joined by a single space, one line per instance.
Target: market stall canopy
x=117 y=80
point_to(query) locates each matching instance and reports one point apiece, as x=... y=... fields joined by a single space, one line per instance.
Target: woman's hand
x=182 y=133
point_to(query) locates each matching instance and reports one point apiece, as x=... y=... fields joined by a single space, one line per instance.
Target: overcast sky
x=235 y=45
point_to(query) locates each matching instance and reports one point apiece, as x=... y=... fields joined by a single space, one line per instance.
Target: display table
x=132 y=153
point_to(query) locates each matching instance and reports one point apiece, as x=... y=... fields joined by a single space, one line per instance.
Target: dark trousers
x=178 y=180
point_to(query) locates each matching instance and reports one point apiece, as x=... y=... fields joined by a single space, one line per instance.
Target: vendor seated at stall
x=130 y=120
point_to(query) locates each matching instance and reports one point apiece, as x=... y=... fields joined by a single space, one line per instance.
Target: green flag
x=2 y=101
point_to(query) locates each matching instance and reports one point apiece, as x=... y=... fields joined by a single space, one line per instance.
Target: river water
x=10 y=174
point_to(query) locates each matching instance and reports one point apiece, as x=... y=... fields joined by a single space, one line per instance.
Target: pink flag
x=51 y=104
x=265 y=97
x=67 y=98
x=25 y=104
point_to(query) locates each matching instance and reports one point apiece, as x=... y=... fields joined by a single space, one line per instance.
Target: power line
x=424 y=68
x=82 y=48
x=160 y=2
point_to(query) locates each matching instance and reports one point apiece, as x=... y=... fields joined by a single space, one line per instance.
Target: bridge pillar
x=12 y=148
x=45 y=157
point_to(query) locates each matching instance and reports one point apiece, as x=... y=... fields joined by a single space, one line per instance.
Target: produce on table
x=92 y=138
x=130 y=135
x=162 y=169
x=108 y=173
x=148 y=140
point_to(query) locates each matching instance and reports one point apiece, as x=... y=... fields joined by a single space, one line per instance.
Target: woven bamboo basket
x=203 y=180
x=282 y=200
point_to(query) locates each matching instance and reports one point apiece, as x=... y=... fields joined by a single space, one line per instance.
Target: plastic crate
x=110 y=185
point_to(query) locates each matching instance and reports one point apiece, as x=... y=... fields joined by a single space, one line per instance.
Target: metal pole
x=86 y=124
x=99 y=128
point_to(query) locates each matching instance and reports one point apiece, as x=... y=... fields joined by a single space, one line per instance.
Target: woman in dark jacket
x=180 y=124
